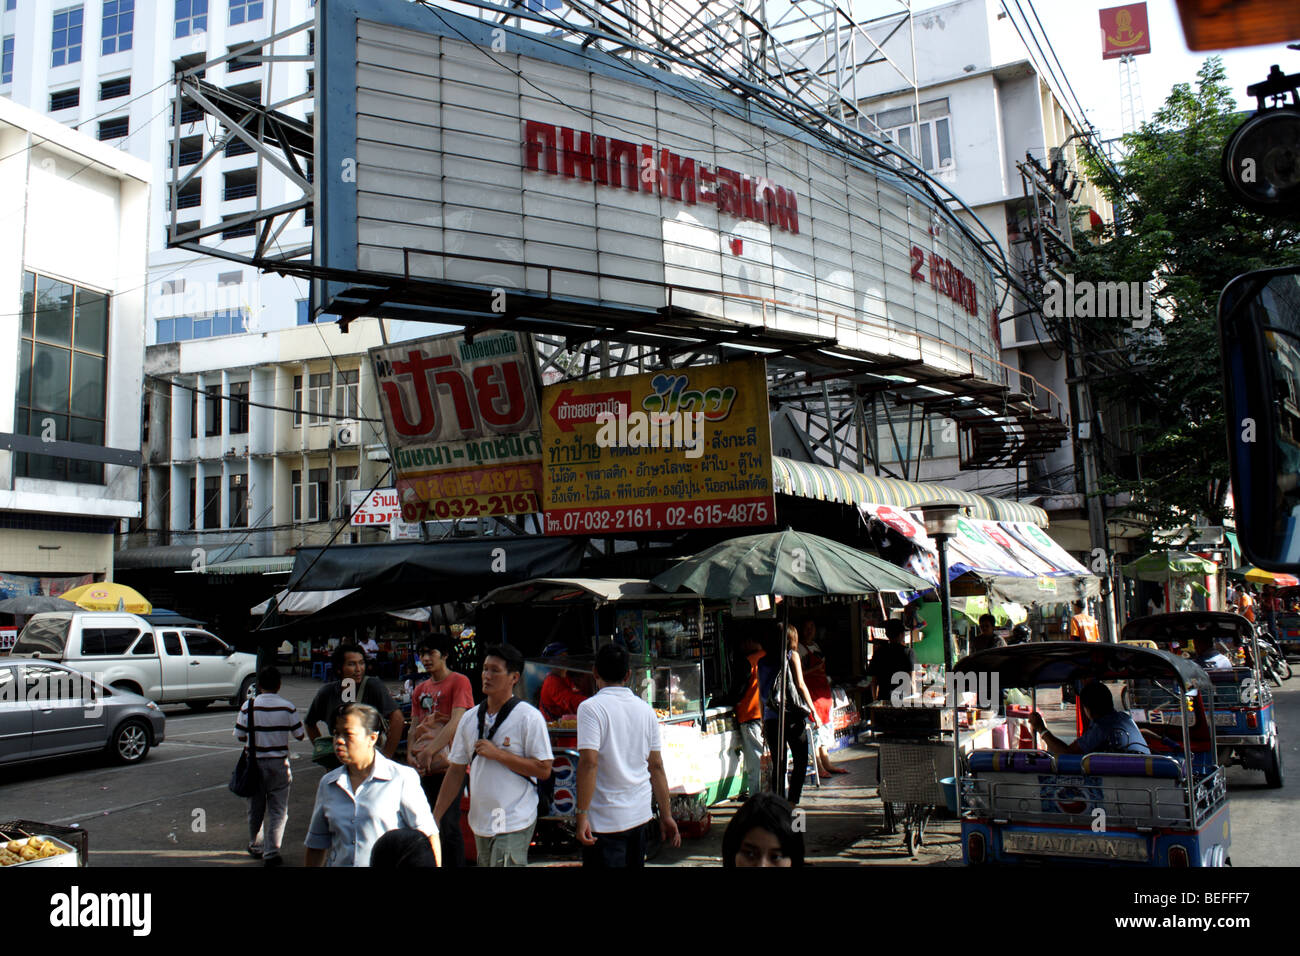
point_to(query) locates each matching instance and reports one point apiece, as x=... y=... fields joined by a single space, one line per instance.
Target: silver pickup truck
x=168 y=665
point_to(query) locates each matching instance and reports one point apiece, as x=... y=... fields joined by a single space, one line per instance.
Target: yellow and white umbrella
x=108 y=596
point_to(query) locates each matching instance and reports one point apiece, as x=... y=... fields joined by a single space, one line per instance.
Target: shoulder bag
x=246 y=778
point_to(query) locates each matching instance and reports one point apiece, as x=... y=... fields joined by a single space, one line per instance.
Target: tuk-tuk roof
x=1182 y=626
x=1059 y=662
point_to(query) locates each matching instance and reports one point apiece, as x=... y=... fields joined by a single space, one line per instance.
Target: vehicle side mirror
x=1259 y=328
x=229 y=650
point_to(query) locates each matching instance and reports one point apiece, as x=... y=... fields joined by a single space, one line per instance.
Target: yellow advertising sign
x=682 y=448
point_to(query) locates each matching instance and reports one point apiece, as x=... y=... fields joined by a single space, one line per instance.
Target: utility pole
x=1053 y=247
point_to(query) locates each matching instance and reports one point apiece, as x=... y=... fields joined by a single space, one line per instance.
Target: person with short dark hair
x=507 y=740
x=366 y=796
x=762 y=833
x=620 y=769
x=560 y=694
x=402 y=850
x=1083 y=626
x=438 y=704
x=987 y=636
x=1109 y=730
x=274 y=719
x=1207 y=655
x=893 y=667
x=353 y=686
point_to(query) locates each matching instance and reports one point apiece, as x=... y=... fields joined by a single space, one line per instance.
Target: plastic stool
x=322 y=671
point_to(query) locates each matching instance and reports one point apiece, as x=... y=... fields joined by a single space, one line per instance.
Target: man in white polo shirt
x=619 y=769
x=507 y=742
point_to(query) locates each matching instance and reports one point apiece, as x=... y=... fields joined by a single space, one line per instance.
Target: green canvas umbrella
x=788 y=563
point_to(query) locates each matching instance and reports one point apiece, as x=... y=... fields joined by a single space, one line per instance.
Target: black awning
x=415 y=574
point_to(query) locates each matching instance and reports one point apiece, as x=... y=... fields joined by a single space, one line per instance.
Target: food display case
x=675 y=689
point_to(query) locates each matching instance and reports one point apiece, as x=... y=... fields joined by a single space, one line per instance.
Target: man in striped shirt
x=274 y=719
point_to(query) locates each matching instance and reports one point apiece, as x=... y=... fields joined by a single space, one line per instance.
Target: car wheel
x=197 y=704
x=245 y=692
x=128 y=687
x=130 y=742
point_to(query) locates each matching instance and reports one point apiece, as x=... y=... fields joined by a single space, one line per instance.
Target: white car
x=169 y=665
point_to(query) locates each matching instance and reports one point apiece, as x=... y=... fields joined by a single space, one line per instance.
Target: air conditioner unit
x=347 y=433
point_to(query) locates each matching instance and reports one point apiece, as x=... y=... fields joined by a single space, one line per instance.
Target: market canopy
x=1164 y=566
x=822 y=483
x=1248 y=572
x=788 y=563
x=390 y=577
x=1015 y=561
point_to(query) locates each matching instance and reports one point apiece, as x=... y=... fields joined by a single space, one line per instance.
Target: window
x=929 y=140
x=238 y=501
x=317 y=503
x=194 y=415
x=66 y=46
x=538 y=6
x=235 y=232
x=237 y=147
x=212 y=502
x=239 y=408
x=347 y=393
x=107 y=641
x=50 y=682
x=304 y=314
x=114 y=128
x=145 y=646
x=62 y=360
x=191 y=17
x=245 y=11
x=193 y=494
x=297 y=401
x=212 y=410
x=119 y=16
x=345 y=482
x=172 y=287
x=11 y=4
x=318 y=398
x=202 y=644
x=247 y=61
x=172 y=643
x=115 y=89
x=7 y=60
x=65 y=100
x=241 y=184
x=230 y=278
x=191 y=112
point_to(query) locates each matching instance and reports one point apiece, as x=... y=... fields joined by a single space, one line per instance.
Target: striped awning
x=821 y=483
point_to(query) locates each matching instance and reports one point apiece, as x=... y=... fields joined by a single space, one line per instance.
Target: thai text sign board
x=378 y=507
x=462 y=423
x=681 y=448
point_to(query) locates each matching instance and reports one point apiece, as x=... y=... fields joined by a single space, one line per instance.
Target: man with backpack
x=509 y=746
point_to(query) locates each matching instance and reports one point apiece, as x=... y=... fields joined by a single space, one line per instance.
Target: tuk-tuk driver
x=1207 y=655
x=1109 y=730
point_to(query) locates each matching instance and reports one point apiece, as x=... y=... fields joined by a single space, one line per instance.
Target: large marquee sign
x=461 y=420
x=465 y=152
x=681 y=448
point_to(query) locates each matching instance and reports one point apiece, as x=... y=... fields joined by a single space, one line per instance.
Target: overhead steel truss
x=801 y=66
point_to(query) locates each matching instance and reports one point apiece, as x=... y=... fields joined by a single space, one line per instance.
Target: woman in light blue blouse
x=366 y=797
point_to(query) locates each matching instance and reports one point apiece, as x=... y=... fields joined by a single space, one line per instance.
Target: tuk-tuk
x=1243 y=702
x=1169 y=808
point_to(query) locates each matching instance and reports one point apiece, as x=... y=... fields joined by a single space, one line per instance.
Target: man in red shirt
x=437 y=705
x=560 y=694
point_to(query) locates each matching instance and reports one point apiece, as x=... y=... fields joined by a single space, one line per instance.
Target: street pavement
x=174 y=809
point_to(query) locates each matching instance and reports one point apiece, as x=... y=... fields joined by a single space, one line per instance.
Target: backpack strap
x=502 y=714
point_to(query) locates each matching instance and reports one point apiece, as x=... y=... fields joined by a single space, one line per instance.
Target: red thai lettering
x=576 y=161
x=787 y=209
x=453 y=379
x=707 y=179
x=500 y=395
x=539 y=146
x=417 y=366
x=598 y=152
x=623 y=159
x=729 y=192
x=681 y=179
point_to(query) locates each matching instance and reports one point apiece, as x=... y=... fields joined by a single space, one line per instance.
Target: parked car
x=169 y=665
x=49 y=710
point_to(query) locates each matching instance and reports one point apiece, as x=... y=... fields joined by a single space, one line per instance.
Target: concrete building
x=73 y=261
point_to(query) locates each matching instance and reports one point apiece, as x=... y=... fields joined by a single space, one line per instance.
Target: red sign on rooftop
x=1124 y=31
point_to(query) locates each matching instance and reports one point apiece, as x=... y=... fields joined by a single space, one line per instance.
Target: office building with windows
x=72 y=307
x=220 y=332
